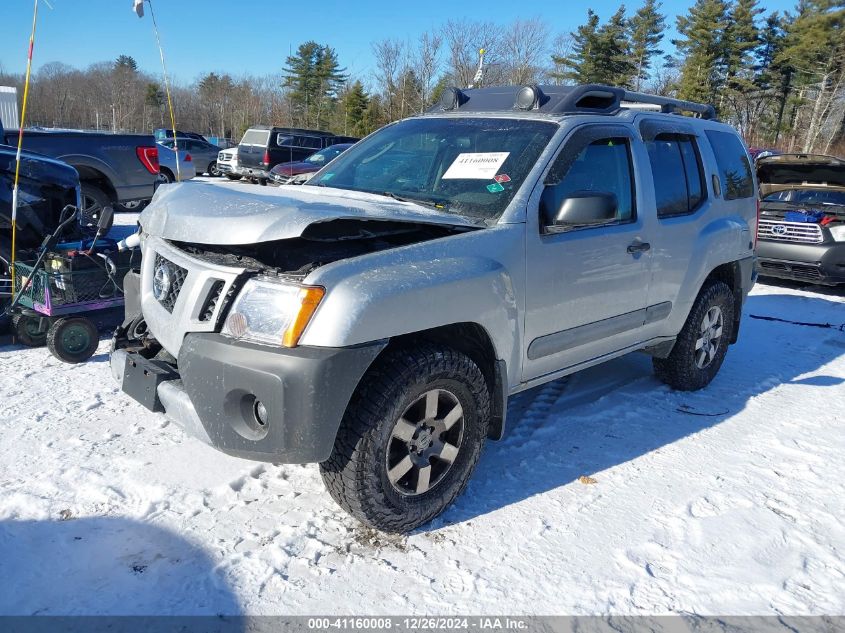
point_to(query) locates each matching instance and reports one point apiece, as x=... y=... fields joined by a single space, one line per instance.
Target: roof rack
x=581 y=99
x=672 y=106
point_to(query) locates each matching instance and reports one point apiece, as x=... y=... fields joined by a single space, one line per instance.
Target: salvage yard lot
x=610 y=494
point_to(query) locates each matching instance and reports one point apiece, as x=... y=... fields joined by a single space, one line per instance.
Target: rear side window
x=734 y=168
x=312 y=142
x=678 y=175
x=256 y=137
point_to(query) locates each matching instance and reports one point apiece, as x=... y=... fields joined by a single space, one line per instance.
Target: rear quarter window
x=734 y=166
x=678 y=175
x=256 y=137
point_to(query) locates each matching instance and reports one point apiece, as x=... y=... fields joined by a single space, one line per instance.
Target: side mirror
x=105 y=220
x=580 y=208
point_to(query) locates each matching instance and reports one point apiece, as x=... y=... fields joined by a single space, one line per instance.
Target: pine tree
x=351 y=111
x=741 y=38
x=774 y=75
x=815 y=47
x=700 y=47
x=578 y=67
x=314 y=77
x=645 y=34
x=126 y=62
x=614 y=63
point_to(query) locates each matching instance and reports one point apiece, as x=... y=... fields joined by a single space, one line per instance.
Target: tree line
x=778 y=77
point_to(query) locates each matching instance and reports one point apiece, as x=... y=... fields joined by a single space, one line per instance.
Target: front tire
x=212 y=169
x=410 y=438
x=703 y=342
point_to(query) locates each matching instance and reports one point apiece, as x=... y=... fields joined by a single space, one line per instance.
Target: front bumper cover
x=214 y=393
x=818 y=263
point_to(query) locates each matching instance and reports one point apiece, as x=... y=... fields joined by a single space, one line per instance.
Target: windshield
x=808 y=196
x=321 y=158
x=467 y=166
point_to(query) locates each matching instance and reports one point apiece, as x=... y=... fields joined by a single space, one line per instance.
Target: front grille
x=177 y=279
x=795 y=232
x=801 y=271
x=210 y=303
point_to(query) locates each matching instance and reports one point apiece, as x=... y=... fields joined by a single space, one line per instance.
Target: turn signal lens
x=309 y=298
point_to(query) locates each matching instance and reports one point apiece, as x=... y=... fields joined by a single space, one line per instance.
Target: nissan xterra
x=377 y=319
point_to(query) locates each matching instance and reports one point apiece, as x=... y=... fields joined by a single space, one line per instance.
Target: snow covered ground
x=726 y=501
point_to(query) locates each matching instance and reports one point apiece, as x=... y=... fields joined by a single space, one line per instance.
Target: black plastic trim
x=305 y=390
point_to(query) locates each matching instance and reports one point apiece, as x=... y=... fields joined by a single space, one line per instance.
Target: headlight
x=838 y=232
x=272 y=312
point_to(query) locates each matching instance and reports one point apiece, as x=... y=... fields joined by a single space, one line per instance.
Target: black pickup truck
x=113 y=168
x=46 y=187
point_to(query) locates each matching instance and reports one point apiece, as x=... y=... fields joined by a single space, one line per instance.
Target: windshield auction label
x=480 y=166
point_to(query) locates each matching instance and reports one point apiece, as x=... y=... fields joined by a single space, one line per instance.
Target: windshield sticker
x=495 y=187
x=502 y=178
x=480 y=166
x=328 y=176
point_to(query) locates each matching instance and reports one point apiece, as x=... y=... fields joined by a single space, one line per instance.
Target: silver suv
x=377 y=319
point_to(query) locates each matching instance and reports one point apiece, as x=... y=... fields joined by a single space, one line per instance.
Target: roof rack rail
x=561 y=100
x=671 y=106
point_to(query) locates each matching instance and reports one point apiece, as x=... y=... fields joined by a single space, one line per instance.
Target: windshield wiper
x=440 y=206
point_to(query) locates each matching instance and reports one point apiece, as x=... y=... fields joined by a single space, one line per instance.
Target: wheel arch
x=94 y=176
x=473 y=340
x=730 y=274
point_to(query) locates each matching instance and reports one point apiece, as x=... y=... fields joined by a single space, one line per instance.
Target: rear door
x=683 y=204
x=692 y=193
x=586 y=288
x=252 y=147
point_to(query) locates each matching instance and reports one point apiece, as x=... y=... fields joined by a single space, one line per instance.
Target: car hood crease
x=202 y=213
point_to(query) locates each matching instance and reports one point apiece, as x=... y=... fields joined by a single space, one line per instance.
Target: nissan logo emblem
x=779 y=229
x=162 y=280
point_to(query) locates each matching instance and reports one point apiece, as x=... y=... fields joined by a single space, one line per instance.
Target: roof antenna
x=479 y=74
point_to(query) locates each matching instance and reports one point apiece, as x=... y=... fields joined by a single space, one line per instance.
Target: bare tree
x=427 y=65
x=524 y=49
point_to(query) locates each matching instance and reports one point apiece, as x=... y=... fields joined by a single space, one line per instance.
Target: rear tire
x=29 y=331
x=73 y=339
x=402 y=455
x=703 y=342
x=94 y=200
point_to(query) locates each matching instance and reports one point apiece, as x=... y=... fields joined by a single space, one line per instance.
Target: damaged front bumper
x=248 y=400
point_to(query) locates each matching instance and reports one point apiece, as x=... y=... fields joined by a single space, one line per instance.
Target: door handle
x=639 y=247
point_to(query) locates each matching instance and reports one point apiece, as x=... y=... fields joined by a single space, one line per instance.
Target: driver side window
x=603 y=166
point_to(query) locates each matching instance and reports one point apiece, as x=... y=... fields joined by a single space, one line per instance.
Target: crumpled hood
x=206 y=213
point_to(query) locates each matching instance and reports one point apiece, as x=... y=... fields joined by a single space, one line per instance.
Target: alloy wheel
x=425 y=442
x=710 y=334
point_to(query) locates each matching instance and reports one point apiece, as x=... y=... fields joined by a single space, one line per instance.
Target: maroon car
x=283 y=173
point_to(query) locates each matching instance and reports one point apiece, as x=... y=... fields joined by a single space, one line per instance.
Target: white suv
x=227 y=163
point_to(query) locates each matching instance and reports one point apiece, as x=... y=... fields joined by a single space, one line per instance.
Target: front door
x=587 y=285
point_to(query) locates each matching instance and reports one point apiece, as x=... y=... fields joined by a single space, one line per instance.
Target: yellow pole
x=167 y=90
x=20 y=143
